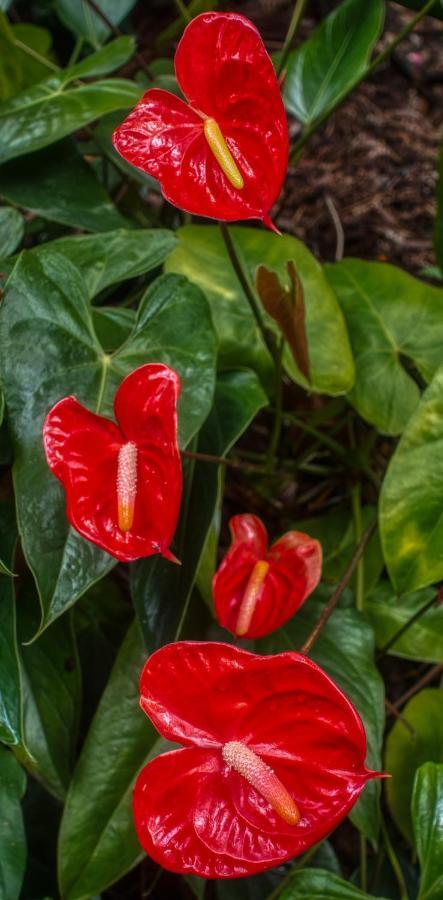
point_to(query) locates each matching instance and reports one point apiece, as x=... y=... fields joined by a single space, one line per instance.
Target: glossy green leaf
x=317 y=884
x=51 y=695
x=113 y=325
x=19 y=67
x=326 y=66
x=427 y=818
x=387 y=613
x=57 y=184
x=438 y=236
x=411 y=524
x=46 y=306
x=406 y=751
x=97 y=843
x=11 y=730
x=60 y=105
x=395 y=323
x=86 y=23
x=11 y=229
x=202 y=257
x=345 y=650
x=12 y=832
x=105 y=259
x=160 y=591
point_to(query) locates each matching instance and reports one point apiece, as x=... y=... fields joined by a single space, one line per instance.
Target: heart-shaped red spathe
x=83 y=451
x=225 y=74
x=196 y=813
x=294 y=569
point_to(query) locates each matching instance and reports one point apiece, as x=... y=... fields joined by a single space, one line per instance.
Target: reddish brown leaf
x=287 y=307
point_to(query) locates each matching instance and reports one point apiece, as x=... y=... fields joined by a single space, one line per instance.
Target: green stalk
x=396 y=868
x=358 y=528
x=299 y=8
x=183 y=10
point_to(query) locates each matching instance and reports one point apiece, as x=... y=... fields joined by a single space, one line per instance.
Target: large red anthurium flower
x=273 y=759
x=224 y=152
x=256 y=589
x=123 y=482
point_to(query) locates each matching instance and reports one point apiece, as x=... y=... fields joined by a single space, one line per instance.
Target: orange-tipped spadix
x=263 y=779
x=126 y=485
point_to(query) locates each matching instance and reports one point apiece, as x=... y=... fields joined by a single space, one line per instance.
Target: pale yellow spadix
x=222 y=153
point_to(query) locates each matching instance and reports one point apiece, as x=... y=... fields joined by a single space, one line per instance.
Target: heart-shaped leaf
x=427 y=815
x=12 y=831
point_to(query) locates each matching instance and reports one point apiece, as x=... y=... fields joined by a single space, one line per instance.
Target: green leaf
x=326 y=66
x=411 y=524
x=317 y=884
x=98 y=843
x=436 y=10
x=427 y=817
x=161 y=592
x=11 y=229
x=106 y=259
x=395 y=323
x=55 y=107
x=83 y=21
x=12 y=832
x=406 y=751
x=438 y=235
x=387 y=613
x=57 y=184
x=10 y=681
x=345 y=650
x=51 y=695
x=201 y=255
x=46 y=307
x=113 y=325
x=19 y=67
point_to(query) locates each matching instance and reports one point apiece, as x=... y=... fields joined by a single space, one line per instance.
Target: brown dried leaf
x=287 y=307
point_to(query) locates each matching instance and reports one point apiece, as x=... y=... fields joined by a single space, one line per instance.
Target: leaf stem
x=358 y=529
x=183 y=10
x=401 y=631
x=396 y=868
x=309 y=131
x=363 y=863
x=335 y=597
x=278 y=413
x=115 y=31
x=299 y=8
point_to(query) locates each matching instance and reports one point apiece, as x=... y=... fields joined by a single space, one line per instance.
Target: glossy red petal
x=82 y=450
x=193 y=811
x=164 y=136
x=294 y=571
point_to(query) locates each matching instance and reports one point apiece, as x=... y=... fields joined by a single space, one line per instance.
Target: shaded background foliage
x=99 y=275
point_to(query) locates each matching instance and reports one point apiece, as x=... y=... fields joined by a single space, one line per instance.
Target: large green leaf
x=51 y=695
x=57 y=184
x=406 y=751
x=11 y=229
x=11 y=729
x=160 y=591
x=79 y=16
x=12 y=832
x=97 y=843
x=387 y=613
x=23 y=48
x=345 y=650
x=46 y=307
x=411 y=500
x=316 y=884
x=394 y=321
x=326 y=66
x=201 y=255
x=60 y=105
x=427 y=817
x=105 y=259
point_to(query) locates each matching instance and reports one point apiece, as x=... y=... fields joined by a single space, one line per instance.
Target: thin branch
x=118 y=33
x=299 y=8
x=421 y=683
x=333 y=600
x=401 y=631
x=393 y=711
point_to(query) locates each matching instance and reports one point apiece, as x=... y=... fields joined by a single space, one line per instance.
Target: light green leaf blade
x=326 y=66
x=316 y=884
x=20 y=67
x=438 y=235
x=79 y=16
x=12 y=831
x=406 y=751
x=202 y=257
x=427 y=818
x=411 y=499
x=11 y=229
x=11 y=726
x=387 y=613
x=395 y=322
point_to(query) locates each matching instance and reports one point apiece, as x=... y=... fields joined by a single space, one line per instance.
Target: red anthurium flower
x=123 y=482
x=273 y=759
x=224 y=153
x=257 y=589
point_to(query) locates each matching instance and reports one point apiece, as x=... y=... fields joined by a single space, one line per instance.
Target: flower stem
x=396 y=868
x=358 y=529
x=363 y=863
x=309 y=131
x=278 y=413
x=335 y=597
x=183 y=10
x=299 y=8
x=401 y=631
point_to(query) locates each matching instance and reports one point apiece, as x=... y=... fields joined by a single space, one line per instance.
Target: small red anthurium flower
x=256 y=589
x=273 y=759
x=123 y=482
x=224 y=152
